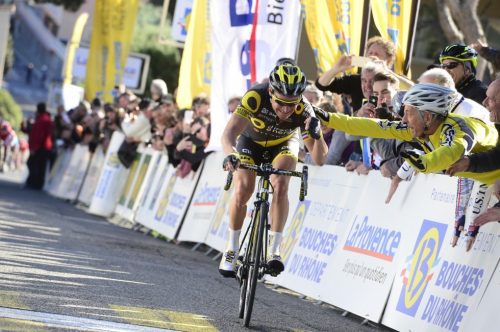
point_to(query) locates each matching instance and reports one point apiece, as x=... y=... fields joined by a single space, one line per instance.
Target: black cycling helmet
x=461 y=53
x=288 y=79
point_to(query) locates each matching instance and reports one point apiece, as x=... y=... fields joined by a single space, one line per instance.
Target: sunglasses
x=282 y=102
x=450 y=65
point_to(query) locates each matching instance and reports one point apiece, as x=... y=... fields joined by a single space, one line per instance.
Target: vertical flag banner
x=319 y=29
x=195 y=71
x=395 y=20
x=182 y=17
x=248 y=36
x=335 y=27
x=348 y=24
x=112 y=31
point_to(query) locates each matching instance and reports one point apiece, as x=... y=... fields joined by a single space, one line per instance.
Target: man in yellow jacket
x=444 y=137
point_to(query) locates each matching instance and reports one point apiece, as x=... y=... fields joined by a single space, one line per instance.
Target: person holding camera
x=191 y=149
x=264 y=129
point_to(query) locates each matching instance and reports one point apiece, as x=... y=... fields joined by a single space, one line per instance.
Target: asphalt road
x=62 y=269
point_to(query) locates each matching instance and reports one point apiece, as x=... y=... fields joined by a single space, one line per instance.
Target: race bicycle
x=252 y=265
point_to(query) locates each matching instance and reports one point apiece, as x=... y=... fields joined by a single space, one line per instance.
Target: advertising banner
x=248 y=37
x=195 y=72
x=204 y=203
x=90 y=181
x=314 y=228
x=133 y=189
x=53 y=180
x=110 y=184
x=393 y=20
x=172 y=202
x=112 y=31
x=71 y=180
x=145 y=212
x=439 y=287
x=379 y=236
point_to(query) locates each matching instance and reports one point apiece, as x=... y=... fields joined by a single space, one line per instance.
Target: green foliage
x=165 y=60
x=71 y=5
x=10 y=110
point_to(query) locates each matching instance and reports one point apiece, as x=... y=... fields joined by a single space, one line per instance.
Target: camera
x=384 y=112
x=373 y=100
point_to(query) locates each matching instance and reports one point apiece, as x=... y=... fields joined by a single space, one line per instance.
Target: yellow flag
x=393 y=19
x=112 y=31
x=319 y=29
x=333 y=28
x=72 y=46
x=195 y=71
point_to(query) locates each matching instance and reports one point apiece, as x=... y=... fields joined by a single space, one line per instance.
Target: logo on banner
x=372 y=240
x=291 y=236
x=219 y=212
x=164 y=199
x=420 y=266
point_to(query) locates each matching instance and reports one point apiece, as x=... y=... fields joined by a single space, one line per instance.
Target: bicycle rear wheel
x=253 y=271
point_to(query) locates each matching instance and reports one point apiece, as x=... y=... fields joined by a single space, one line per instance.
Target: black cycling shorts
x=253 y=153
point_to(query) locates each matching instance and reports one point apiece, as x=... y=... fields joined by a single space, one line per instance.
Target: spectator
x=488 y=160
x=490 y=54
x=313 y=94
x=111 y=122
x=493 y=213
x=191 y=149
x=40 y=145
x=442 y=136
x=461 y=62
x=29 y=72
x=201 y=107
x=233 y=103
x=158 y=89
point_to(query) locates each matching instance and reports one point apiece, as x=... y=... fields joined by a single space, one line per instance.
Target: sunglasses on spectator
x=450 y=65
x=283 y=102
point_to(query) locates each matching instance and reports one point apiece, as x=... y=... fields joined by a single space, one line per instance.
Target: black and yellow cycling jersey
x=264 y=127
x=455 y=137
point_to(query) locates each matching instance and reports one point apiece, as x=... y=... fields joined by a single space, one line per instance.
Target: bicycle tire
x=243 y=293
x=253 y=271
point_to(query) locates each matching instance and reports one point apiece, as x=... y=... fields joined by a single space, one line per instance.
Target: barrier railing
x=389 y=263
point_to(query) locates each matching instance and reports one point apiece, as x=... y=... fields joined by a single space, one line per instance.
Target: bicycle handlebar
x=267 y=169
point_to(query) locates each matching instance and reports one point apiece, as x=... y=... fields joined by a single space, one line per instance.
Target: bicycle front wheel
x=253 y=271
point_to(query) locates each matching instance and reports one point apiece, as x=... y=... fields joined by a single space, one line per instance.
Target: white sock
x=233 y=242
x=275 y=242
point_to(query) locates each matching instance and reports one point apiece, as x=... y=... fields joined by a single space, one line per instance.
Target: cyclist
x=461 y=62
x=263 y=128
x=10 y=144
x=444 y=137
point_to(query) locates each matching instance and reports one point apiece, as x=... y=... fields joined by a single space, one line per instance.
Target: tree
x=165 y=60
x=461 y=24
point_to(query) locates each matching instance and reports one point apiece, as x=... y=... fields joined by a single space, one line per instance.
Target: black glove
x=414 y=159
x=323 y=115
x=314 y=128
x=231 y=159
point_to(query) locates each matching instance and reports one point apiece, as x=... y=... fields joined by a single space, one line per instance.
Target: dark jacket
x=349 y=85
x=473 y=88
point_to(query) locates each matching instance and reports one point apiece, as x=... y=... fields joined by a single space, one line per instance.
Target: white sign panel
x=92 y=176
x=110 y=182
x=439 y=287
x=204 y=204
x=145 y=213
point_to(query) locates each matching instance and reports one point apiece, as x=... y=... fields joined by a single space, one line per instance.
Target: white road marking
x=72 y=322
